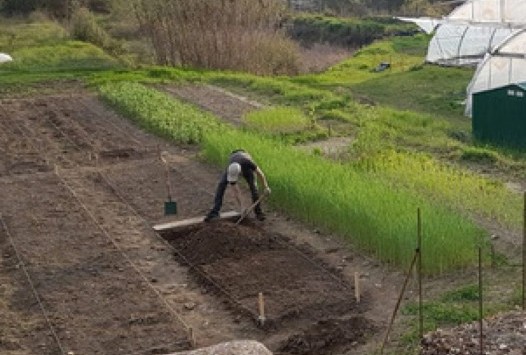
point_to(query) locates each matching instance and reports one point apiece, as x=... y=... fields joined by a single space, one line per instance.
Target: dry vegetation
x=242 y=34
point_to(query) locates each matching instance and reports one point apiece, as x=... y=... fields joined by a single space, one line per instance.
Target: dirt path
x=83 y=271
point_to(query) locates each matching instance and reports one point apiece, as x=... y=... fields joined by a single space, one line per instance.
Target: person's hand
x=267 y=190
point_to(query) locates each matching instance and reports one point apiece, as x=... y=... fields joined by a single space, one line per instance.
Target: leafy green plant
x=159 y=113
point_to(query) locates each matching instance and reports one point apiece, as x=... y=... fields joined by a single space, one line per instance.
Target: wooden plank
x=192 y=221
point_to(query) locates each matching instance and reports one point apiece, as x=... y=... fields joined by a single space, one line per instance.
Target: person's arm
x=263 y=180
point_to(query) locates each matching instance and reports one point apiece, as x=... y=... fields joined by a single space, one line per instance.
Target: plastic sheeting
x=460 y=44
x=505 y=65
x=427 y=24
x=508 y=12
x=471 y=30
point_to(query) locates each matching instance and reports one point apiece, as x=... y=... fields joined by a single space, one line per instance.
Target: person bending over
x=239 y=163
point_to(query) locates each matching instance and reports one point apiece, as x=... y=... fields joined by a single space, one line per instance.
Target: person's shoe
x=261 y=217
x=210 y=217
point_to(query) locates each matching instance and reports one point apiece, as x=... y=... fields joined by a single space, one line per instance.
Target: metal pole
x=419 y=275
x=524 y=256
x=402 y=292
x=481 y=315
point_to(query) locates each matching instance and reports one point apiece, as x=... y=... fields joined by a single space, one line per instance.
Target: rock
x=238 y=347
x=189 y=306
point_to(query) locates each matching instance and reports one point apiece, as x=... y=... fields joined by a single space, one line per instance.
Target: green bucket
x=170 y=207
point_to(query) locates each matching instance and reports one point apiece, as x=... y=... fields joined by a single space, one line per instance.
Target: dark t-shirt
x=245 y=160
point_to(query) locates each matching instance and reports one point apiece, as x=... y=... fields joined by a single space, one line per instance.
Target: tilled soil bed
x=302 y=297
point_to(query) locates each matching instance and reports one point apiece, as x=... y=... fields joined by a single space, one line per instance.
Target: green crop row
x=157 y=112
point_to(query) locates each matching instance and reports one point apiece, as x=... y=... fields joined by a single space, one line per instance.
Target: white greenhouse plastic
x=458 y=44
x=504 y=65
x=510 y=13
x=472 y=30
x=427 y=24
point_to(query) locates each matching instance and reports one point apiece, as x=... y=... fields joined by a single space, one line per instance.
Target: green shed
x=499 y=115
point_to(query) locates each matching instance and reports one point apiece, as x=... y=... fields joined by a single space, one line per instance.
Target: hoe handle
x=246 y=212
x=166 y=176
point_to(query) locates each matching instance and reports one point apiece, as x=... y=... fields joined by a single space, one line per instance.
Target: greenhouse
x=472 y=30
x=458 y=45
x=504 y=65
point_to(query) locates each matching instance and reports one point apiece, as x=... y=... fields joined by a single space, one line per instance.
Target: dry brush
x=224 y=34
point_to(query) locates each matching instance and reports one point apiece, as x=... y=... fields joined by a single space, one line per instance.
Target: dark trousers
x=220 y=192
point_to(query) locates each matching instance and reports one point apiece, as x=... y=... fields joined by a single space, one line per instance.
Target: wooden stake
x=357 y=286
x=261 y=306
x=191 y=338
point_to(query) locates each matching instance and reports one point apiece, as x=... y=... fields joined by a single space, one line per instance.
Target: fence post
x=402 y=292
x=524 y=256
x=481 y=311
x=419 y=275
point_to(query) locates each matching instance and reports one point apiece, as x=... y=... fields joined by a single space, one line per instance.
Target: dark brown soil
x=242 y=261
x=329 y=336
x=66 y=266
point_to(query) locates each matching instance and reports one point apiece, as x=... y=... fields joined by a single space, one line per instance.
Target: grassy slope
x=42 y=51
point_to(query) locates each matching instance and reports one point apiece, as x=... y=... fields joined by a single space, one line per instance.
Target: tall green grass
x=465 y=191
x=336 y=197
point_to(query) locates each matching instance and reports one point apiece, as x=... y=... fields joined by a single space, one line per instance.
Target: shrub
x=274 y=54
x=84 y=27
